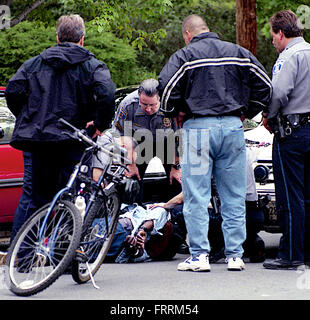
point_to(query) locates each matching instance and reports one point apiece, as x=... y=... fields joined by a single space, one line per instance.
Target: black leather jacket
x=210 y=77
x=65 y=81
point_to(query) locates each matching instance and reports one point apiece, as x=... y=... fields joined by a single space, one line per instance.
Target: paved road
x=161 y=281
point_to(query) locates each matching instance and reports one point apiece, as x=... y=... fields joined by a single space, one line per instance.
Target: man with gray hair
x=138 y=116
x=65 y=81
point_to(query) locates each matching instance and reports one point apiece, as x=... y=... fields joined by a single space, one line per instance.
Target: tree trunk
x=246 y=26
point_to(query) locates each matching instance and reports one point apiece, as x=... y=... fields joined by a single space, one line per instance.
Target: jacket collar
x=205 y=35
x=293 y=42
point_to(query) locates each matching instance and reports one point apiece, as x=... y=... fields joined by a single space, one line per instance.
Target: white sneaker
x=199 y=263
x=235 y=264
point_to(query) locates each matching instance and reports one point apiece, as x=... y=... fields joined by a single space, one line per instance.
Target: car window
x=7 y=122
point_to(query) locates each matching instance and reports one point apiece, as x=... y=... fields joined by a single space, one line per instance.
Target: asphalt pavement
x=158 y=281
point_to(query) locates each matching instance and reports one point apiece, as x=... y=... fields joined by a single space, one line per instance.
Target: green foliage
x=119 y=17
x=120 y=57
x=266 y=8
x=220 y=17
x=20 y=43
x=28 y=39
x=135 y=37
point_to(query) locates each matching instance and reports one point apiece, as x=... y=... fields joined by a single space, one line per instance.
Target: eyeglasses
x=146 y=105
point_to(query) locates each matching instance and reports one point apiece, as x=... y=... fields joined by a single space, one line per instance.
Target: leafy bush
x=28 y=39
x=120 y=57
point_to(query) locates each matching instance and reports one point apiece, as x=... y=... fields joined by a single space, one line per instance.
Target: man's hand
x=136 y=241
x=265 y=123
x=133 y=171
x=97 y=132
x=180 y=119
x=157 y=205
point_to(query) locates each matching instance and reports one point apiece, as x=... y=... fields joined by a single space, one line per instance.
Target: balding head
x=192 y=26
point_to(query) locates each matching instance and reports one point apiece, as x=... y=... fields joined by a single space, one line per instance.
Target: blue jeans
x=23 y=210
x=214 y=146
x=291 y=169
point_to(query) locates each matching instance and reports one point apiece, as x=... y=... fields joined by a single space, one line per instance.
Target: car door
x=11 y=165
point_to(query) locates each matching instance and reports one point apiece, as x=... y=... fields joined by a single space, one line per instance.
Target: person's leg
x=24 y=208
x=196 y=166
x=288 y=169
x=52 y=169
x=291 y=173
x=230 y=177
x=307 y=209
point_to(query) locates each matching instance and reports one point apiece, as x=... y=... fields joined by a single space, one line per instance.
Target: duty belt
x=295 y=121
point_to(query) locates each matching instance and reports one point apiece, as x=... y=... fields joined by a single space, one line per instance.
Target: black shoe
x=281 y=264
x=183 y=248
x=257 y=254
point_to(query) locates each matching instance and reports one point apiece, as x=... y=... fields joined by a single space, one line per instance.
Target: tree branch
x=25 y=13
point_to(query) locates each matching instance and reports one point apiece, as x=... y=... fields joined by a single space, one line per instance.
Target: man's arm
x=283 y=82
x=261 y=88
x=171 y=80
x=16 y=91
x=104 y=92
x=178 y=199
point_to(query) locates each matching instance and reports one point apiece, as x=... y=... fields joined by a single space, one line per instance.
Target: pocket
x=235 y=136
x=196 y=150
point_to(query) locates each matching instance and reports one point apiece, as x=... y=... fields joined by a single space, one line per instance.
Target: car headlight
x=261 y=173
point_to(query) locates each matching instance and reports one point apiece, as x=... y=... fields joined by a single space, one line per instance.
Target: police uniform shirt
x=291 y=80
x=130 y=110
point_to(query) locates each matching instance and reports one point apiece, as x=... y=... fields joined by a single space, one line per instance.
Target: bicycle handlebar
x=78 y=134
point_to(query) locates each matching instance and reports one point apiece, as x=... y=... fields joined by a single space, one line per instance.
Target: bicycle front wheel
x=98 y=231
x=43 y=248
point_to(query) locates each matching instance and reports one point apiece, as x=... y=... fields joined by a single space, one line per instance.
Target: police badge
x=167 y=123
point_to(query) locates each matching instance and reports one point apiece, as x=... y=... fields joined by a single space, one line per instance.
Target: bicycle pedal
x=80 y=256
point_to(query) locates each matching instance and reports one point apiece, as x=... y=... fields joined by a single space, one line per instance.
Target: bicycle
x=58 y=234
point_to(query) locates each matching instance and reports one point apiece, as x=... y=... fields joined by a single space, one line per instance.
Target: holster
x=277 y=127
x=283 y=126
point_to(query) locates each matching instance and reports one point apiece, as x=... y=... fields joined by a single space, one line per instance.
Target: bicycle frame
x=66 y=189
x=97 y=186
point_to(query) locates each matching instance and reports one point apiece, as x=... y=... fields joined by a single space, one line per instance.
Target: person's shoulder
x=131 y=100
x=32 y=63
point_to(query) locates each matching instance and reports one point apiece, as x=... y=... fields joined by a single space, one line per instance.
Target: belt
x=236 y=113
x=295 y=121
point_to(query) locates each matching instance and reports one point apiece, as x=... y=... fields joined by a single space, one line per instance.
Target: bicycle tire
x=80 y=272
x=35 y=262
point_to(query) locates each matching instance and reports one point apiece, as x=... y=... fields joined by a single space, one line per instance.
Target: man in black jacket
x=212 y=83
x=65 y=81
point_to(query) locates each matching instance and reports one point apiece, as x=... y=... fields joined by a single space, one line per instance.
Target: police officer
x=138 y=116
x=288 y=116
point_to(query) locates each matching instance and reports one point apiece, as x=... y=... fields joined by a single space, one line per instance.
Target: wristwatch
x=176 y=166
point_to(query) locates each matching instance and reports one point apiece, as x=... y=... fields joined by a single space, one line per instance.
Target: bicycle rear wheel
x=42 y=250
x=97 y=237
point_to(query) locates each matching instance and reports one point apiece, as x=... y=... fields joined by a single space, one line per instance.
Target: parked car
x=11 y=169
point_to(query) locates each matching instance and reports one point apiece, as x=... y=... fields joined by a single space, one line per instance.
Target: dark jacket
x=210 y=77
x=65 y=81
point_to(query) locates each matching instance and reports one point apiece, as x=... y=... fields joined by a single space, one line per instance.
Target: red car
x=11 y=168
